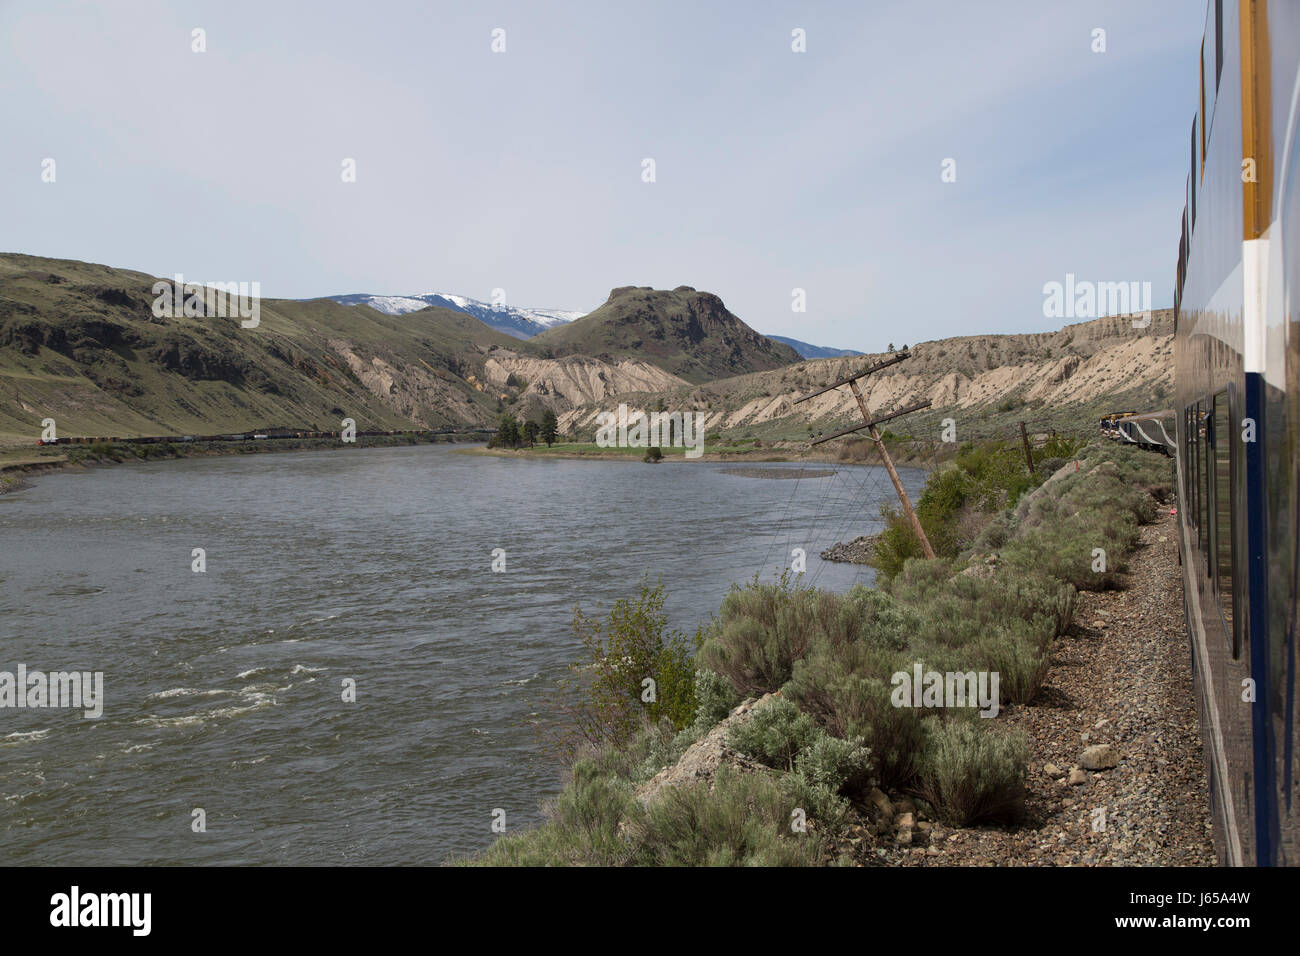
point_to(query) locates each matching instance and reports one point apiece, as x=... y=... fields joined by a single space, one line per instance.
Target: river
x=223 y=690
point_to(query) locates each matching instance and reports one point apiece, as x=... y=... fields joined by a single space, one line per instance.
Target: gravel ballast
x=1116 y=772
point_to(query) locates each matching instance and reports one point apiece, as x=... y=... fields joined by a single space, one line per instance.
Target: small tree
x=635 y=672
x=550 y=427
x=530 y=432
x=508 y=432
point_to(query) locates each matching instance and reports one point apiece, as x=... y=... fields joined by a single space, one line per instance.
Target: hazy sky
x=523 y=170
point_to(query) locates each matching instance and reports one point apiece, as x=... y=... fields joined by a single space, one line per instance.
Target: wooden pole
x=1024 y=438
x=878 y=420
x=893 y=475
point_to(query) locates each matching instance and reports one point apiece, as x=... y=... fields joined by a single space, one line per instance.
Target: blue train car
x=1237 y=354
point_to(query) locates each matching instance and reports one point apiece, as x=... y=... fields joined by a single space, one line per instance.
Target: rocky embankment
x=1116 y=774
x=857 y=551
x=561 y=383
x=702 y=759
x=1080 y=363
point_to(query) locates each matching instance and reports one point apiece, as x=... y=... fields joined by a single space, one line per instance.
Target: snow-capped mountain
x=520 y=323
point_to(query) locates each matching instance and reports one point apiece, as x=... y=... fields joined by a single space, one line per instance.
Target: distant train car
x=1146 y=431
x=1237 y=372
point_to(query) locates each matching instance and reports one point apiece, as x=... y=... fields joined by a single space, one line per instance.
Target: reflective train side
x=1237 y=352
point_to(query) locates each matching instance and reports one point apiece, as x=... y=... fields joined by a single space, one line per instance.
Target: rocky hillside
x=79 y=343
x=560 y=384
x=687 y=333
x=1102 y=360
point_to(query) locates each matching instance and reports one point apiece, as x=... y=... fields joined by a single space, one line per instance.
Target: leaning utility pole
x=871 y=423
x=1029 y=457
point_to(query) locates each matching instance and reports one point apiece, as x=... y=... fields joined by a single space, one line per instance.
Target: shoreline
x=19 y=474
x=29 y=465
x=592 y=452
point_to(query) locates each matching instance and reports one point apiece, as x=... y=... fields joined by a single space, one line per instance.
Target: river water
x=223 y=690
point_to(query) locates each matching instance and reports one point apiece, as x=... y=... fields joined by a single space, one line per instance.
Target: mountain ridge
x=809 y=351
x=516 y=322
x=79 y=343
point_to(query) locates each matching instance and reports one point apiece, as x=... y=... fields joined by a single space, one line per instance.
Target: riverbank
x=1082 y=749
x=22 y=463
x=749 y=451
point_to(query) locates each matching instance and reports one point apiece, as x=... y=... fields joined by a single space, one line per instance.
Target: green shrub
x=1059 y=447
x=715 y=698
x=998 y=473
x=1020 y=662
x=1050 y=466
x=774 y=734
x=761 y=630
x=982 y=480
x=822 y=803
x=874 y=618
x=105 y=449
x=851 y=700
x=595 y=805
x=843 y=766
x=917 y=578
x=995 y=534
x=583 y=829
x=632 y=759
x=744 y=821
x=605 y=701
x=1064 y=549
x=967 y=607
x=895 y=545
x=1028 y=595
x=972 y=773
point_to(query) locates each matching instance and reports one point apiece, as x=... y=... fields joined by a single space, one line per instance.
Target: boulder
x=1099 y=757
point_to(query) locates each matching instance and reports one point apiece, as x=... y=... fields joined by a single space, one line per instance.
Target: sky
x=523 y=169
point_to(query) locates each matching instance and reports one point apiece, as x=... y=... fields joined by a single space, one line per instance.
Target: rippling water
x=223 y=690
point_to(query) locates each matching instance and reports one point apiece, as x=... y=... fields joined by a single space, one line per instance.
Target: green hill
x=79 y=343
x=690 y=334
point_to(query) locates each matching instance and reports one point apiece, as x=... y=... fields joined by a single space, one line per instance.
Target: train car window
x=1191 y=183
x=1224 y=459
